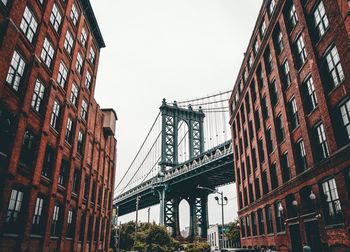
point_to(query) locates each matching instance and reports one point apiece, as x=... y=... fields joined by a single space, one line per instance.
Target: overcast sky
x=174 y=49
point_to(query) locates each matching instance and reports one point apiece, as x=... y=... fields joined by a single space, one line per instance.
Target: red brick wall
x=339 y=159
x=19 y=105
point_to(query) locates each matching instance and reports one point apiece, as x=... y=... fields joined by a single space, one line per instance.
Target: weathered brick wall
x=339 y=159
x=19 y=105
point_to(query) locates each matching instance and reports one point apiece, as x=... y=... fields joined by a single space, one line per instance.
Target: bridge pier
x=198 y=216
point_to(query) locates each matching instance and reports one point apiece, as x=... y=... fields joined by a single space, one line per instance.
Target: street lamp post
x=221 y=203
x=115 y=214
x=137 y=217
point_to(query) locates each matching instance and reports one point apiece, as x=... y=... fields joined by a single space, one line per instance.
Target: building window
x=320 y=19
x=247 y=220
x=285 y=167
x=38 y=96
x=300 y=155
x=92 y=55
x=74 y=94
x=265 y=185
x=293 y=113
x=28 y=24
x=335 y=70
x=286 y=75
x=273 y=176
x=301 y=51
x=250 y=62
x=269 y=142
x=76 y=181
x=55 y=17
x=264 y=108
x=47 y=53
x=321 y=145
x=70 y=223
x=16 y=71
x=257 y=188
x=6 y=129
x=347 y=180
x=74 y=14
x=309 y=95
x=82 y=226
x=307 y=206
x=253 y=91
x=345 y=115
x=292 y=16
x=55 y=116
x=268 y=61
x=84 y=110
x=256 y=47
x=28 y=148
x=62 y=75
x=278 y=40
x=68 y=42
x=86 y=187
x=261 y=222
x=332 y=209
x=262 y=29
x=251 y=130
x=279 y=218
x=64 y=172
x=291 y=210
x=48 y=162
x=272 y=5
x=69 y=131
x=254 y=227
x=88 y=80
x=273 y=93
x=38 y=219
x=257 y=120
x=269 y=223
x=80 y=145
x=279 y=129
x=13 y=216
x=260 y=77
x=56 y=221
x=261 y=150
x=79 y=64
x=243 y=227
x=254 y=160
x=83 y=37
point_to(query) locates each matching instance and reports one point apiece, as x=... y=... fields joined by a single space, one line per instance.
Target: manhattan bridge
x=187 y=149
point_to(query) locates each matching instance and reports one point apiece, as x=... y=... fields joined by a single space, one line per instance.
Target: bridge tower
x=172 y=115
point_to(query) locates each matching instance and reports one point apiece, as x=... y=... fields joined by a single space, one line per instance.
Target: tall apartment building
x=290 y=122
x=57 y=147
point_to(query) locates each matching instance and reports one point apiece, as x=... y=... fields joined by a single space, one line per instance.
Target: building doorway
x=295 y=238
x=313 y=235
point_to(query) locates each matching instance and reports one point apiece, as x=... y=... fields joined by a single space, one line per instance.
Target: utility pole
x=148 y=212
x=137 y=218
x=221 y=203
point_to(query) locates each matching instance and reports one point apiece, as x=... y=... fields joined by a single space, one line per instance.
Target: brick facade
x=57 y=147
x=290 y=128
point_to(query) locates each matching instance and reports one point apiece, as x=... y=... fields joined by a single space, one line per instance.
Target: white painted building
x=214 y=238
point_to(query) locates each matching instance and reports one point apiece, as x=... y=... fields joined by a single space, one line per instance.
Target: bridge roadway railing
x=206 y=157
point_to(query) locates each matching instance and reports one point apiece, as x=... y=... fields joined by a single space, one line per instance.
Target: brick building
x=290 y=121
x=57 y=147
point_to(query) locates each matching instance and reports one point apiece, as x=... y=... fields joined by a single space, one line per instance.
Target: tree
x=233 y=232
x=150 y=238
x=197 y=247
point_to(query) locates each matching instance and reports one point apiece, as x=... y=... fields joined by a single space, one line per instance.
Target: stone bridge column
x=193 y=218
x=205 y=219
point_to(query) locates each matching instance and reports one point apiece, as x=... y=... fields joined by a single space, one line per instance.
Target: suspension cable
x=138 y=152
